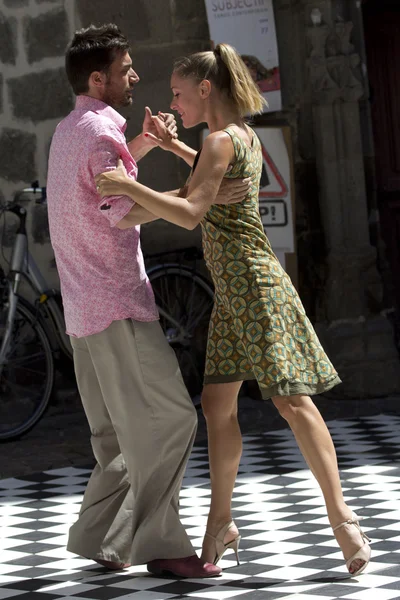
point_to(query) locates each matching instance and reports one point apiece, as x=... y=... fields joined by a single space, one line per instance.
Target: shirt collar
x=101 y=108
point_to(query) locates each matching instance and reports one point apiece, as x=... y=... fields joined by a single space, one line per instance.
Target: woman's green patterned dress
x=258 y=328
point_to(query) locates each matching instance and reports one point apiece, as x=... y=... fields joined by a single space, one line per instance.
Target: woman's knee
x=291 y=407
x=219 y=402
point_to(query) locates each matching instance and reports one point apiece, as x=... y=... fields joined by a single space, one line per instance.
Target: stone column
x=359 y=338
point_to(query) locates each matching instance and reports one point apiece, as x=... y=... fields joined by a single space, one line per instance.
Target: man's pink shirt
x=101 y=267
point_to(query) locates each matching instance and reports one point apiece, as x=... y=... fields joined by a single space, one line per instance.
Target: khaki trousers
x=143 y=425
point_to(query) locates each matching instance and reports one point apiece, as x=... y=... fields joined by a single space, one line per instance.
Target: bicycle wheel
x=185 y=300
x=27 y=377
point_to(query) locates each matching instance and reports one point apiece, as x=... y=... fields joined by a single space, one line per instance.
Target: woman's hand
x=112 y=183
x=159 y=129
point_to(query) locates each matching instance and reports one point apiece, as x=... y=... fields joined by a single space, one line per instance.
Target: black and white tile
x=287 y=549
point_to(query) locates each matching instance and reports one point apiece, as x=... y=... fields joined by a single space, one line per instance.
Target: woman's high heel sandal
x=363 y=553
x=220 y=547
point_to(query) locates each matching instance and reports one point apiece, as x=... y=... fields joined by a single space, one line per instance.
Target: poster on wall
x=249 y=26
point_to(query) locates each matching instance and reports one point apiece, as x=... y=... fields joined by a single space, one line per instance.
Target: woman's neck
x=220 y=115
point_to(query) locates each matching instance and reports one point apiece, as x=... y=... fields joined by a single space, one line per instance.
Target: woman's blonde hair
x=227 y=71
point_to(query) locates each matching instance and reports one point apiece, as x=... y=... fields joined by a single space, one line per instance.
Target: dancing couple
x=141 y=418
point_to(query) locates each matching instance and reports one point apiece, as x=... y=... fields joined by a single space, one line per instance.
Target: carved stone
x=333 y=67
x=353 y=288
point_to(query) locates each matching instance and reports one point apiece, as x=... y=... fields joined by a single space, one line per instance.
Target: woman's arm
x=186 y=212
x=183 y=151
x=171 y=143
x=139 y=215
x=156 y=130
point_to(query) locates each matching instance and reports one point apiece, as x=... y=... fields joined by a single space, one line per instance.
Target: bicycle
x=33 y=338
x=184 y=299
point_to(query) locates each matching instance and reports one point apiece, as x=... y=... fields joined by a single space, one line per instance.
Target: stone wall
x=34 y=96
x=159 y=31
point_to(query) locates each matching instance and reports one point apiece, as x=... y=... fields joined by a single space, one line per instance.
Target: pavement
x=61 y=438
x=287 y=550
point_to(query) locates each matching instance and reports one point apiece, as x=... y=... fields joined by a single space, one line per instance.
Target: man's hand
x=232 y=191
x=159 y=129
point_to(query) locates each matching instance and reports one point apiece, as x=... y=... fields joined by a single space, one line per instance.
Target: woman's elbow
x=124 y=223
x=191 y=223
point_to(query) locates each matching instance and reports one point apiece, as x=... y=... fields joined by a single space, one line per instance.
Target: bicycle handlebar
x=33 y=189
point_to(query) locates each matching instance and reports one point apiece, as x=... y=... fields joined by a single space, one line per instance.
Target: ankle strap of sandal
x=221 y=533
x=355 y=522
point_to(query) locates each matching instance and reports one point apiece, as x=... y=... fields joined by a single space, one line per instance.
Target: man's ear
x=97 y=79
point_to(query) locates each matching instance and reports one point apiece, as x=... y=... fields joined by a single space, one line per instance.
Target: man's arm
x=140 y=146
x=155 y=130
x=171 y=143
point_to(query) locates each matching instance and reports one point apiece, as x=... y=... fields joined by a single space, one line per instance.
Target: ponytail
x=227 y=71
x=244 y=91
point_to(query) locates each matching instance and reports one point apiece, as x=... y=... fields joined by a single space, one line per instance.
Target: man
x=141 y=418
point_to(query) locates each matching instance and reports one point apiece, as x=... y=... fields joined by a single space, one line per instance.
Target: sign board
x=275 y=197
x=249 y=26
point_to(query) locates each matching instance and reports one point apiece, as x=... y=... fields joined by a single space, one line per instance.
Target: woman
x=258 y=327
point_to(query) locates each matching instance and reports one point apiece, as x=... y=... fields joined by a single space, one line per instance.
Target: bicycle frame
x=48 y=304
x=23 y=266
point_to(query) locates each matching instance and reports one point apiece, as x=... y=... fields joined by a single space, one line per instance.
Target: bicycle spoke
x=17 y=386
x=185 y=303
x=18 y=361
x=204 y=313
x=26 y=377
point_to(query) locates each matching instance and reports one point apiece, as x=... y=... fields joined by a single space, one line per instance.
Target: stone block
x=193 y=29
x=1 y=93
x=154 y=68
x=40 y=224
x=147 y=20
x=46 y=35
x=185 y=10
x=364 y=354
x=154 y=65
x=16 y=3
x=9 y=232
x=190 y=20
x=369 y=379
x=8 y=40
x=41 y=96
x=17 y=155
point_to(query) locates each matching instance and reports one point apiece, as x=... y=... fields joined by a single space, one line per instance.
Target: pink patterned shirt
x=101 y=267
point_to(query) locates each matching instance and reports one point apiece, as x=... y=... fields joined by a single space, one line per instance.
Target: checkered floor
x=287 y=548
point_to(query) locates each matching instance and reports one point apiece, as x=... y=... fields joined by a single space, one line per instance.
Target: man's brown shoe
x=190 y=567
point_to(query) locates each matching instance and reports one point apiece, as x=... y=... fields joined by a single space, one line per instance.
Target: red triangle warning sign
x=276 y=182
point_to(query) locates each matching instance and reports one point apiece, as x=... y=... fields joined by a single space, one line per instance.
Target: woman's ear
x=205 y=88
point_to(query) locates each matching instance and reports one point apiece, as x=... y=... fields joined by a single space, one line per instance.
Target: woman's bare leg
x=219 y=403
x=315 y=443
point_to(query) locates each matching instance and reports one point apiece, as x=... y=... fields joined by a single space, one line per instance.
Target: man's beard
x=117 y=100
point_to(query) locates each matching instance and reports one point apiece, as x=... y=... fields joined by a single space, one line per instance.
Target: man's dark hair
x=93 y=49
